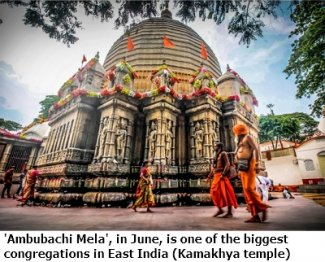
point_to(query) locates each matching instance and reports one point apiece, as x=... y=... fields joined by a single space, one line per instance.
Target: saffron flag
x=204 y=52
x=130 y=44
x=84 y=59
x=167 y=43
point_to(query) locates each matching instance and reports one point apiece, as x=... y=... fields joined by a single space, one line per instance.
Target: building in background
x=298 y=165
x=21 y=150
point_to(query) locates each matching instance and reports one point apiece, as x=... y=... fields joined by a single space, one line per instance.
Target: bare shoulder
x=225 y=155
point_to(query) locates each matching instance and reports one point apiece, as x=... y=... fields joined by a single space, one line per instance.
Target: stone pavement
x=285 y=214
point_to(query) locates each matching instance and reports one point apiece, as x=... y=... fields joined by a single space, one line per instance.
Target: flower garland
x=142 y=95
x=158 y=72
x=198 y=76
x=70 y=81
x=18 y=136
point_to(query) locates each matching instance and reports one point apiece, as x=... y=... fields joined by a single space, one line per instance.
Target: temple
x=159 y=96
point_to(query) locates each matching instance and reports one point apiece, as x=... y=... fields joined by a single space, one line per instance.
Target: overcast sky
x=32 y=65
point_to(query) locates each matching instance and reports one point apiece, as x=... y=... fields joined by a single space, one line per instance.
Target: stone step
x=320 y=188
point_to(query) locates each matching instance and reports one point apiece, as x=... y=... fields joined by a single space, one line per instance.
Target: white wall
x=309 y=150
x=283 y=170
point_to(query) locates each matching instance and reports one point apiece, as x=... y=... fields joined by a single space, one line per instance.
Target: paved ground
x=286 y=214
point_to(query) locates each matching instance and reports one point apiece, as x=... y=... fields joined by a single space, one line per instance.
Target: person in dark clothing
x=21 y=182
x=7 y=182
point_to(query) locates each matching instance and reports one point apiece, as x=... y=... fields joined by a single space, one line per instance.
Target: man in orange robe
x=221 y=191
x=247 y=149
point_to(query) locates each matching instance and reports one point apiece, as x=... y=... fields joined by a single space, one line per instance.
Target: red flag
x=167 y=43
x=130 y=44
x=84 y=59
x=204 y=52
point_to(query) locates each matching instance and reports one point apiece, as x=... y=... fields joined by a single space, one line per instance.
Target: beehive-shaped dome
x=149 y=52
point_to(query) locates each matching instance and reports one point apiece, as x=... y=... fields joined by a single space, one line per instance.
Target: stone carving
x=198 y=140
x=152 y=140
x=168 y=141
x=214 y=134
x=121 y=135
x=102 y=139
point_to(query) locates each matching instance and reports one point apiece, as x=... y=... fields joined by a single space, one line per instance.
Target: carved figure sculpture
x=214 y=134
x=152 y=140
x=198 y=140
x=102 y=139
x=121 y=135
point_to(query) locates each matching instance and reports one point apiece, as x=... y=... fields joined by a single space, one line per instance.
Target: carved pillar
x=161 y=156
x=128 y=145
x=32 y=157
x=173 y=149
x=5 y=156
x=140 y=142
x=192 y=146
x=180 y=149
x=111 y=137
x=107 y=138
x=49 y=138
x=68 y=144
x=206 y=144
x=52 y=143
x=161 y=111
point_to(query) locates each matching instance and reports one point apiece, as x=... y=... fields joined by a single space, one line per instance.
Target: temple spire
x=166 y=13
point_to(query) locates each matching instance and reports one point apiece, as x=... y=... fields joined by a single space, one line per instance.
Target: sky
x=32 y=65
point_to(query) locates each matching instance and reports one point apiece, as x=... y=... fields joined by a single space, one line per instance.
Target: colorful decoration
x=163 y=76
x=201 y=79
x=6 y=133
x=77 y=76
x=126 y=79
x=163 y=80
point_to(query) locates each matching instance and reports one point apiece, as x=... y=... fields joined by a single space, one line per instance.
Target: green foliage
x=46 y=103
x=58 y=19
x=294 y=127
x=9 y=125
x=307 y=60
x=133 y=9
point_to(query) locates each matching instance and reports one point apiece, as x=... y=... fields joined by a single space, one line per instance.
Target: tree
x=307 y=60
x=270 y=106
x=294 y=127
x=58 y=19
x=267 y=131
x=9 y=125
x=46 y=103
x=307 y=125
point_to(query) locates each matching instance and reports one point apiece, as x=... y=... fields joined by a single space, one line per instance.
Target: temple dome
x=148 y=54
